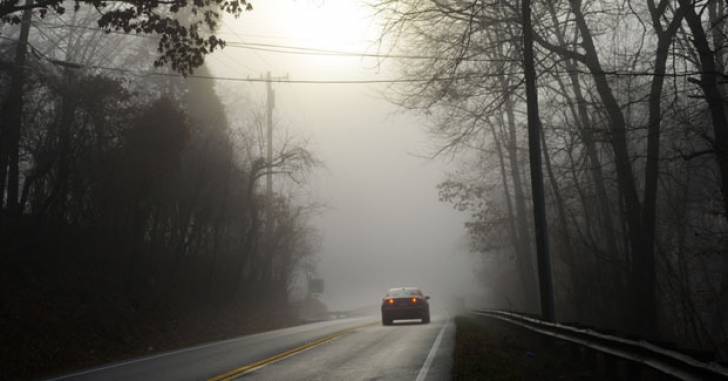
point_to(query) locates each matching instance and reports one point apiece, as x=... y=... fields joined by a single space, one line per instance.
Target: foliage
x=634 y=137
x=141 y=211
x=186 y=28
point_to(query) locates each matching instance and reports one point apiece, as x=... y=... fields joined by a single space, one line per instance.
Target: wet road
x=349 y=349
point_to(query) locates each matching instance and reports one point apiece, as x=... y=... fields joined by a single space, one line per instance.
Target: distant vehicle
x=405 y=303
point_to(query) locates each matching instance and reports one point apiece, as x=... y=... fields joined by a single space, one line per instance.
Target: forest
x=134 y=213
x=635 y=153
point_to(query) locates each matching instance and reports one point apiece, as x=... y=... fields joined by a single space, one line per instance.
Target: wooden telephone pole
x=270 y=104
x=12 y=112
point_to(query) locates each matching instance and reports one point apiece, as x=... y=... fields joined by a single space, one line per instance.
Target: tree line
x=131 y=201
x=635 y=152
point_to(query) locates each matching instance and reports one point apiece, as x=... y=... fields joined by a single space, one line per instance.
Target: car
x=405 y=303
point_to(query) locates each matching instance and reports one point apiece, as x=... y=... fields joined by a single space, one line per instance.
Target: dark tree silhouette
x=633 y=114
x=186 y=28
x=140 y=211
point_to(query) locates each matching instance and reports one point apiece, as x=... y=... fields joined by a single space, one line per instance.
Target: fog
x=567 y=160
x=382 y=225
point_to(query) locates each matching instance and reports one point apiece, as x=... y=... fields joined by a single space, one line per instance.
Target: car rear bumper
x=405 y=312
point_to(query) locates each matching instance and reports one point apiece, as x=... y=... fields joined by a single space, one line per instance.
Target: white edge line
x=431 y=356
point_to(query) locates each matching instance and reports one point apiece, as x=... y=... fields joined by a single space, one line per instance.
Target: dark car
x=405 y=303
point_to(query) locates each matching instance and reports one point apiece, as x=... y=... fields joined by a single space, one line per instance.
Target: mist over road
x=348 y=349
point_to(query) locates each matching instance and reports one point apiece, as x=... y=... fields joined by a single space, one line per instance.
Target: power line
x=225 y=25
x=395 y=80
x=75 y=65
x=280 y=80
x=371 y=81
x=299 y=50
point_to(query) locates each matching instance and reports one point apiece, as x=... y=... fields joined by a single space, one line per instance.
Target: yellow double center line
x=243 y=370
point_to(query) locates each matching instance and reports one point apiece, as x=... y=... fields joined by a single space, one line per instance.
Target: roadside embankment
x=487 y=349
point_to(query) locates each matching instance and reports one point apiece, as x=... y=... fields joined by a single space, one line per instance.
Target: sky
x=383 y=225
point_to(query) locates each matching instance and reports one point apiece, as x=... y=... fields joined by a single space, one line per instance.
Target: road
x=347 y=349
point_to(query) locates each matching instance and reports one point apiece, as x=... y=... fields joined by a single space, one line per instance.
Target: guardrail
x=666 y=361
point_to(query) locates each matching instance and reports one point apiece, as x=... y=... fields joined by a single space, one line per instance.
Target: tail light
x=390 y=301
x=413 y=300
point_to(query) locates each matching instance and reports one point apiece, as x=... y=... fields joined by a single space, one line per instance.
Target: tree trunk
x=504 y=177
x=64 y=127
x=560 y=209
x=583 y=121
x=644 y=265
x=537 y=188
x=625 y=177
x=524 y=257
x=709 y=78
x=580 y=114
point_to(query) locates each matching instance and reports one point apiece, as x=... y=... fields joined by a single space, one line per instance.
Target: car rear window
x=403 y=293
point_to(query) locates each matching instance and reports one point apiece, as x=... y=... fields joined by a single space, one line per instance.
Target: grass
x=486 y=349
x=479 y=355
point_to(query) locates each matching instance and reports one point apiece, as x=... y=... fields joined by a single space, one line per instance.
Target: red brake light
x=390 y=301
x=414 y=300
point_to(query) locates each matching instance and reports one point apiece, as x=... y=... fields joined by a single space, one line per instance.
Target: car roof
x=404 y=288
x=404 y=291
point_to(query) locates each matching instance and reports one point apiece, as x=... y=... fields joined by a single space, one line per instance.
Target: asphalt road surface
x=347 y=349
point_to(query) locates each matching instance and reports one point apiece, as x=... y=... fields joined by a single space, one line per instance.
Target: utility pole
x=270 y=104
x=546 y=290
x=12 y=113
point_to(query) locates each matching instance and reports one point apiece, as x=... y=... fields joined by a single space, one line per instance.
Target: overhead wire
x=299 y=50
x=75 y=65
x=363 y=81
x=284 y=80
x=225 y=25
x=302 y=50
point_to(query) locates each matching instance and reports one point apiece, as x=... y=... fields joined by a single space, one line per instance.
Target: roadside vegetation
x=134 y=217
x=491 y=350
x=634 y=142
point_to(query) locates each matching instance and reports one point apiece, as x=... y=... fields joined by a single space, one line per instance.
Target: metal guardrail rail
x=666 y=361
